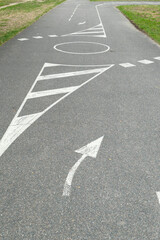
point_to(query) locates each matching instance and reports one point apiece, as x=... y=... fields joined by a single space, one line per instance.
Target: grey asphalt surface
x=113 y=196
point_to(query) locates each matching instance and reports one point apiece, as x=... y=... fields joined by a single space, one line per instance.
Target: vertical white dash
x=158 y=195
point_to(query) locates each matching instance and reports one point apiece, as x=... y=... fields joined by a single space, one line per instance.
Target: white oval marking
x=57 y=47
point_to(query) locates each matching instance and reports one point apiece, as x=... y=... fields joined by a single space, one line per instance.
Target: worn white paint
x=15 y=129
x=52 y=92
x=57 y=47
x=145 y=61
x=73 y=12
x=90 y=150
x=23 y=39
x=157 y=58
x=126 y=65
x=158 y=195
x=69 y=74
x=52 y=36
x=81 y=23
x=20 y=123
x=37 y=37
x=96 y=31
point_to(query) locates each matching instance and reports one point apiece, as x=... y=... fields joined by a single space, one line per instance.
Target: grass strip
x=125 y=0
x=7 y=2
x=14 y=19
x=146 y=18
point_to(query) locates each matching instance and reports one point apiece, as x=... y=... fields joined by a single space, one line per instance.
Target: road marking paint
x=157 y=58
x=145 y=61
x=126 y=65
x=158 y=195
x=20 y=123
x=23 y=39
x=37 y=37
x=56 y=47
x=51 y=36
x=52 y=92
x=81 y=23
x=96 y=31
x=100 y=20
x=90 y=150
x=74 y=12
x=68 y=74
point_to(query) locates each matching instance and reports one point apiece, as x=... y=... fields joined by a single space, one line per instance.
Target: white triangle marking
x=20 y=124
x=92 y=148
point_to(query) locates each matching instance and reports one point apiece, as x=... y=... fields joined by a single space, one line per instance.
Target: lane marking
x=74 y=12
x=37 y=37
x=145 y=61
x=20 y=123
x=126 y=65
x=158 y=195
x=52 y=92
x=68 y=74
x=90 y=150
x=23 y=39
x=56 y=47
x=81 y=23
x=51 y=36
x=157 y=58
x=96 y=31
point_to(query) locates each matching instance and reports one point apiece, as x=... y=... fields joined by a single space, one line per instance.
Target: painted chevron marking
x=20 y=123
x=52 y=92
x=98 y=30
x=69 y=74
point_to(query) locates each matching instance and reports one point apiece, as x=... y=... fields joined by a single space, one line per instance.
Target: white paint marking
x=126 y=65
x=68 y=74
x=20 y=124
x=90 y=150
x=158 y=195
x=37 y=37
x=90 y=32
x=52 y=92
x=81 y=23
x=145 y=61
x=157 y=58
x=74 y=12
x=51 y=36
x=56 y=47
x=23 y=39
x=15 y=129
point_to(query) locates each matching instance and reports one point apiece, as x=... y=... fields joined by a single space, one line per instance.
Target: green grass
x=146 y=18
x=126 y=0
x=16 y=18
x=7 y=2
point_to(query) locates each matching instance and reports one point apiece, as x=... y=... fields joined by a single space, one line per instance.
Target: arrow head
x=91 y=149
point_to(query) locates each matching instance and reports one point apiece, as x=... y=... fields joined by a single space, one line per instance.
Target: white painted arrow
x=90 y=150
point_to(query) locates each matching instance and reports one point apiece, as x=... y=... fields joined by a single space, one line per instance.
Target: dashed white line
x=51 y=36
x=23 y=39
x=126 y=65
x=157 y=58
x=37 y=37
x=74 y=12
x=145 y=61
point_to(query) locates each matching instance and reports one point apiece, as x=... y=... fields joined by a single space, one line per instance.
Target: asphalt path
x=81 y=73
